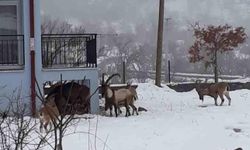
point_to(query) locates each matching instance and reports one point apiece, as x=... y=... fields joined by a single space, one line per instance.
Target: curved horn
x=113 y=75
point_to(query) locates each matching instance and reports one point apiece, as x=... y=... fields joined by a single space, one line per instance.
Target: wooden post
x=123 y=72
x=169 y=79
x=159 y=44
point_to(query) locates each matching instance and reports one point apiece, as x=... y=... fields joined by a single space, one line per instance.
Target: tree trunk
x=59 y=146
x=159 y=44
x=215 y=67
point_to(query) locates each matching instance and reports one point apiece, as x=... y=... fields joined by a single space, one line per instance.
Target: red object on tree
x=212 y=39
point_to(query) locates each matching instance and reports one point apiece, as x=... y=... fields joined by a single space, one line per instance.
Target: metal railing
x=11 y=50
x=68 y=50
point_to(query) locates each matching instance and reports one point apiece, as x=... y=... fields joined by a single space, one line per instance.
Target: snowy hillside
x=174 y=121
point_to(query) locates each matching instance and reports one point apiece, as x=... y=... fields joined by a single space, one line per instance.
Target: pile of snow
x=174 y=121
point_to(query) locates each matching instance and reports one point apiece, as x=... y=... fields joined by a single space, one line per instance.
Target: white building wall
x=11 y=80
x=20 y=79
x=43 y=75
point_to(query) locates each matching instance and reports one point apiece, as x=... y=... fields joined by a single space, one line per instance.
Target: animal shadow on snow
x=207 y=105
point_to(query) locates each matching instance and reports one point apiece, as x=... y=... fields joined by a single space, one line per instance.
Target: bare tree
x=71 y=43
x=57 y=26
x=67 y=117
x=17 y=129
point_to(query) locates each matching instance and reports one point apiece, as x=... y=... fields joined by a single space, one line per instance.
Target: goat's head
x=105 y=84
x=201 y=92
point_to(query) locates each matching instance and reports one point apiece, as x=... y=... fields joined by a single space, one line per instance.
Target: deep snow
x=174 y=121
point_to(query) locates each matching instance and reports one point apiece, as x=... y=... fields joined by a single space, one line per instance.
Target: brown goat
x=117 y=98
x=48 y=114
x=124 y=97
x=107 y=93
x=214 y=90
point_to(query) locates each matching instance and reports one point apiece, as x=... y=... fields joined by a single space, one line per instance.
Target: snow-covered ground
x=174 y=121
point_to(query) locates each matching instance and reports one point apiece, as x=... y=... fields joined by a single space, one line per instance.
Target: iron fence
x=68 y=50
x=11 y=50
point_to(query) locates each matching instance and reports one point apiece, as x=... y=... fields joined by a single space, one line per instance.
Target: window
x=11 y=39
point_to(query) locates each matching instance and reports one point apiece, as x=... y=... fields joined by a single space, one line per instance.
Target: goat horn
x=116 y=74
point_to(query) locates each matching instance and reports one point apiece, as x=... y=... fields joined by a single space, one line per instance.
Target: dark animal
x=71 y=98
x=214 y=90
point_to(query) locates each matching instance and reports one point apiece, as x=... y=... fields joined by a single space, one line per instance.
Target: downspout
x=32 y=59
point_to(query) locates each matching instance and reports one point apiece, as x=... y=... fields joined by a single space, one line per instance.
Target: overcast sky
x=127 y=12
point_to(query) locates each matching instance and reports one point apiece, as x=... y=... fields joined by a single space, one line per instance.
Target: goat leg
x=110 y=110
x=116 y=110
x=215 y=101
x=228 y=98
x=127 y=111
x=120 y=112
x=222 y=99
x=134 y=109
